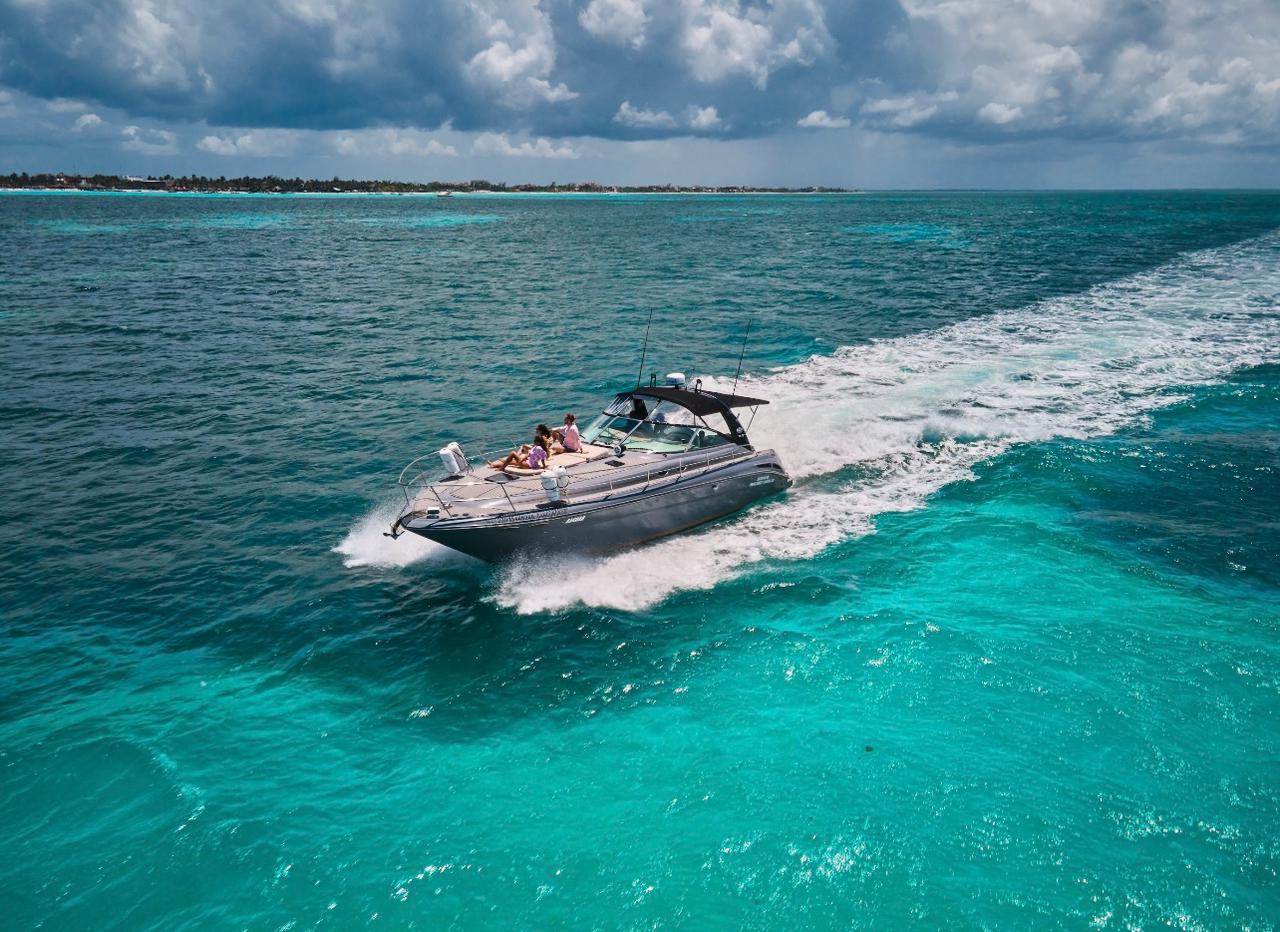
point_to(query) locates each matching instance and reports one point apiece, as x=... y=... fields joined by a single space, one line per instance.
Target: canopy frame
x=701 y=403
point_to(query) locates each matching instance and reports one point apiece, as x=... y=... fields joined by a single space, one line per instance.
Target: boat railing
x=415 y=484
x=425 y=471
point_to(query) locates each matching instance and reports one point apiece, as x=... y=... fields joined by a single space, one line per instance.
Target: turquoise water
x=1007 y=655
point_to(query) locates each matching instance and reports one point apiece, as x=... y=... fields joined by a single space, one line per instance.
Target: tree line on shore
x=272 y=184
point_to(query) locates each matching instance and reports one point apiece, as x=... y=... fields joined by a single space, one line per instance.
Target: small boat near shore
x=657 y=461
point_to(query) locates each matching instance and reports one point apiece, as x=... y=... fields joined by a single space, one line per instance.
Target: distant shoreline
x=89 y=192
x=50 y=183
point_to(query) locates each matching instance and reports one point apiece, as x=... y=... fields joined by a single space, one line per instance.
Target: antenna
x=740 y=357
x=645 y=350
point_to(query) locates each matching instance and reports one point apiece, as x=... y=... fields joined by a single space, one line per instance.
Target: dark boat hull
x=610 y=524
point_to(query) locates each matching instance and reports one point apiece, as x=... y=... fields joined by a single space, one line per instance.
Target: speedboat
x=658 y=460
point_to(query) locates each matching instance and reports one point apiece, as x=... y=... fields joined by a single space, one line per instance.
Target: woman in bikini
x=530 y=455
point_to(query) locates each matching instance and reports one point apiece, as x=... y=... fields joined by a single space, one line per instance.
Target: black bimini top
x=700 y=403
x=703 y=403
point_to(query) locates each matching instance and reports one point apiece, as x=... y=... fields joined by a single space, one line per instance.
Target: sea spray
x=367 y=543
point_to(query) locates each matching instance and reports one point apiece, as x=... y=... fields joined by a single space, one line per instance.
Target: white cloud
x=820 y=119
x=887 y=104
x=722 y=39
x=698 y=118
x=703 y=118
x=65 y=105
x=540 y=148
x=1094 y=68
x=398 y=142
x=998 y=113
x=149 y=141
x=86 y=121
x=720 y=44
x=7 y=107
x=149 y=46
x=622 y=22
x=913 y=116
x=257 y=142
x=1220 y=102
x=517 y=63
x=896 y=113
x=628 y=115
x=218 y=145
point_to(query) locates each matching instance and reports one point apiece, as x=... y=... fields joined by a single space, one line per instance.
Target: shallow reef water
x=1007 y=655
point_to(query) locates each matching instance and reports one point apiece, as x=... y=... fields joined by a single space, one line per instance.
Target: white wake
x=918 y=412
x=906 y=416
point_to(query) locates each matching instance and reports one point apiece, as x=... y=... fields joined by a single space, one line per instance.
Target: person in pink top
x=567 y=439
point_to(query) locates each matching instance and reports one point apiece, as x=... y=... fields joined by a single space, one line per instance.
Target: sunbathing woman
x=529 y=455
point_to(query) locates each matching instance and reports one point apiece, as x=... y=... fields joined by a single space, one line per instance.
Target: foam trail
x=366 y=545
x=915 y=413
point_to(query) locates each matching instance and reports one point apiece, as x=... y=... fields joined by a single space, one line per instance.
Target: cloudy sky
x=861 y=93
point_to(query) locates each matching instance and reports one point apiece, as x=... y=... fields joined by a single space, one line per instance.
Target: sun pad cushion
x=560 y=459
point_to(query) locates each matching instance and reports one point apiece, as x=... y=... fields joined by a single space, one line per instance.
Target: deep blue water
x=1007 y=655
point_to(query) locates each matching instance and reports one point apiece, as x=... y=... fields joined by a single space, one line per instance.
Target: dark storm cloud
x=972 y=71
x=555 y=68
x=315 y=65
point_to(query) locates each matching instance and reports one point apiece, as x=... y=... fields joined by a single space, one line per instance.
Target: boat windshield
x=656 y=426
